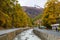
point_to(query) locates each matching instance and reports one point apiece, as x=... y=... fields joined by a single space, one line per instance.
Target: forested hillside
x=32 y=11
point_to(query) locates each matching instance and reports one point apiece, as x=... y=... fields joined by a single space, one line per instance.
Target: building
x=54 y=26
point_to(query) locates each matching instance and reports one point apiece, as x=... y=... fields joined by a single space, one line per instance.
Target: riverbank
x=10 y=34
x=47 y=34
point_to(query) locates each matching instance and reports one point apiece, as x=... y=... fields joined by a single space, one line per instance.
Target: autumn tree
x=4 y=18
x=12 y=14
x=49 y=15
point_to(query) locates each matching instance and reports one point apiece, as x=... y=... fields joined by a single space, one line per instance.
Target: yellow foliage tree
x=12 y=15
x=49 y=15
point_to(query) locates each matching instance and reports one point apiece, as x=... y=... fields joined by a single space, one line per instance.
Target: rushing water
x=27 y=35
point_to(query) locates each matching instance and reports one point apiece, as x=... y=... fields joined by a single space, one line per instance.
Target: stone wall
x=46 y=36
x=11 y=35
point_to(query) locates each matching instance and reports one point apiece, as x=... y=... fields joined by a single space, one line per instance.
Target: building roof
x=54 y=24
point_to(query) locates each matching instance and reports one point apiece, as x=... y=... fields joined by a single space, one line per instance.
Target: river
x=27 y=35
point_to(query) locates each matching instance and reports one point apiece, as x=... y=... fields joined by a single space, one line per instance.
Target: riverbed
x=27 y=35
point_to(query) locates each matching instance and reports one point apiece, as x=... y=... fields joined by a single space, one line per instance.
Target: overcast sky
x=32 y=3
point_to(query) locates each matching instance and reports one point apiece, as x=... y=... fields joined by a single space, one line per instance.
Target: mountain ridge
x=32 y=11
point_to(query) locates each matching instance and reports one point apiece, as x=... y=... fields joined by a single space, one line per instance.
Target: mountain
x=32 y=11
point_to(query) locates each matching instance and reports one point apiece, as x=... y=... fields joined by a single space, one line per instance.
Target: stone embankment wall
x=11 y=35
x=46 y=36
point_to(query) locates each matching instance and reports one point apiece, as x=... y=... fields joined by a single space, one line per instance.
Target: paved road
x=48 y=31
x=2 y=32
x=27 y=35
